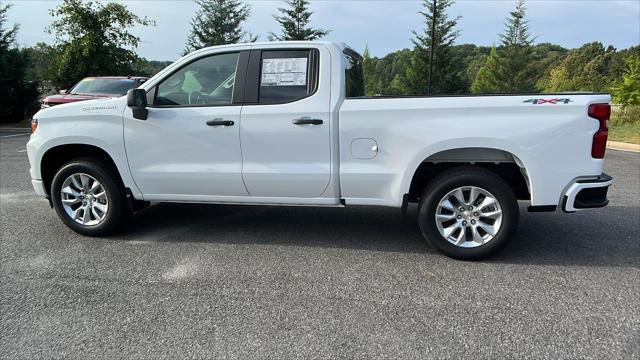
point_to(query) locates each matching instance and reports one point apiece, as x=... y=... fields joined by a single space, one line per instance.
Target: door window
x=286 y=76
x=206 y=81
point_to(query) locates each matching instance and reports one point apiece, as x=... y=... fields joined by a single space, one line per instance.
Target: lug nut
x=84 y=203
x=461 y=208
x=464 y=223
x=475 y=214
x=459 y=217
x=470 y=207
x=473 y=222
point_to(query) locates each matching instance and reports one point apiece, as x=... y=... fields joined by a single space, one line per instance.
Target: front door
x=285 y=130
x=189 y=146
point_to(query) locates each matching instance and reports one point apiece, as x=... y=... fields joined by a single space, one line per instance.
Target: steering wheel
x=197 y=98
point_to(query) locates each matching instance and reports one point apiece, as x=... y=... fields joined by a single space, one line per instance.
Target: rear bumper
x=587 y=194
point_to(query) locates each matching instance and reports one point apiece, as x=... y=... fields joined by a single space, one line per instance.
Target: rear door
x=285 y=130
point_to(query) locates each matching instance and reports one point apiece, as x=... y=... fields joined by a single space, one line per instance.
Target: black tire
x=463 y=176
x=118 y=212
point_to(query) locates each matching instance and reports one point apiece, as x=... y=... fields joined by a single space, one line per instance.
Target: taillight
x=601 y=112
x=34 y=125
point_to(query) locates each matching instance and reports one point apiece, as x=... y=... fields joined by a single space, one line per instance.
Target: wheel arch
x=56 y=156
x=499 y=159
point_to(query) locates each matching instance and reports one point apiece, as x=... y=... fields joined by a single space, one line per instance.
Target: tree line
x=93 y=39
x=514 y=65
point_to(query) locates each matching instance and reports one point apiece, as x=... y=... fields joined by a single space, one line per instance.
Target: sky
x=382 y=25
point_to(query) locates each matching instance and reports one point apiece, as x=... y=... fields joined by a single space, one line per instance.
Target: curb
x=615 y=145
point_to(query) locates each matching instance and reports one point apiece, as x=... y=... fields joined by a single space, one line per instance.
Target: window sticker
x=284 y=72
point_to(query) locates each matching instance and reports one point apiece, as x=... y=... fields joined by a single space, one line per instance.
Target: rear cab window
x=354 y=74
x=281 y=76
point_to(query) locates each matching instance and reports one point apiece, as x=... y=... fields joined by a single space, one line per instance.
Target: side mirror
x=137 y=101
x=62 y=92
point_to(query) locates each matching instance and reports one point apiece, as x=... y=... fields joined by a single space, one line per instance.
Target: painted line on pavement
x=10 y=136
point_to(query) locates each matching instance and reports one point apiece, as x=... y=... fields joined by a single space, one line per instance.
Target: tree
x=627 y=91
x=439 y=31
x=294 y=21
x=7 y=36
x=42 y=56
x=368 y=66
x=486 y=82
x=18 y=94
x=94 y=39
x=591 y=67
x=517 y=53
x=510 y=72
x=467 y=61
x=218 y=22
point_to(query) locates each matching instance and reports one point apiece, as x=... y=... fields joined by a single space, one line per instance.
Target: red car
x=94 y=88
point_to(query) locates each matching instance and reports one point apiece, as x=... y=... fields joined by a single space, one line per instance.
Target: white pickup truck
x=288 y=123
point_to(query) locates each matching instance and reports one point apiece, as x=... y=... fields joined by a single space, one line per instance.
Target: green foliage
x=627 y=91
x=18 y=93
x=467 y=61
x=42 y=57
x=591 y=67
x=218 y=22
x=446 y=78
x=384 y=75
x=7 y=36
x=486 y=82
x=152 y=67
x=625 y=125
x=369 y=72
x=93 y=39
x=294 y=21
x=509 y=71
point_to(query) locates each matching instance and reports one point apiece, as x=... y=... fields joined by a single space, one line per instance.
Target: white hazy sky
x=385 y=25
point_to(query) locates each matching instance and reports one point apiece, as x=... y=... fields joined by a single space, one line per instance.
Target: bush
x=625 y=114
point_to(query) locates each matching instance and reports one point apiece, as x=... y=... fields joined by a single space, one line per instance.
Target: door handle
x=307 y=121
x=220 y=122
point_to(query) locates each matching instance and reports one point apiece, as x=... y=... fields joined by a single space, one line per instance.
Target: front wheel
x=468 y=213
x=88 y=199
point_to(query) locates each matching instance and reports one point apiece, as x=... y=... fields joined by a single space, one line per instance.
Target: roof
x=339 y=45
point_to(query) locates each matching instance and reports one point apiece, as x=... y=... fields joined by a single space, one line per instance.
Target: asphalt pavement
x=247 y=282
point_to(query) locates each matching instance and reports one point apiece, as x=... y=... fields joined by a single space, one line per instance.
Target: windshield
x=354 y=74
x=102 y=86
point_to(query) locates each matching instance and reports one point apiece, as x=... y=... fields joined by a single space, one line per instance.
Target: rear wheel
x=88 y=198
x=468 y=213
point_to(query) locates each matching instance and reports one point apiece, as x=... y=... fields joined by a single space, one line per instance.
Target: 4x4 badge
x=548 y=101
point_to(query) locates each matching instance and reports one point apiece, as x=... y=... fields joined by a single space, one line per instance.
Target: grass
x=625 y=124
x=625 y=132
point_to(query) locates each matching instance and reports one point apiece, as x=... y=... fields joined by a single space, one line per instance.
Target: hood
x=83 y=108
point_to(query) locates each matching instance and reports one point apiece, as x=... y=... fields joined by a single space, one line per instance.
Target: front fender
x=103 y=129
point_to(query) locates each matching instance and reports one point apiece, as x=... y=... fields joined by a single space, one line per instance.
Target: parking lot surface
x=204 y=281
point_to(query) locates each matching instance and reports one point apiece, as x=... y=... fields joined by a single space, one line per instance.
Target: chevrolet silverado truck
x=288 y=123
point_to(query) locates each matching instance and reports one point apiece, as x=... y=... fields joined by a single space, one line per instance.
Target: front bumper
x=38 y=186
x=587 y=194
